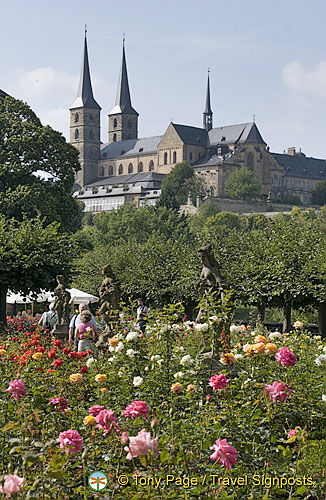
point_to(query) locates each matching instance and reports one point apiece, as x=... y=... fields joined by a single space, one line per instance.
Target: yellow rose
x=249 y=349
x=103 y=389
x=320 y=347
x=2 y=352
x=318 y=337
x=176 y=388
x=76 y=378
x=101 y=377
x=191 y=388
x=37 y=355
x=89 y=420
x=271 y=348
x=259 y=347
x=260 y=338
x=114 y=341
x=227 y=359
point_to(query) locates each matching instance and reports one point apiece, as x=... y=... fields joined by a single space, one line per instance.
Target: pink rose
x=61 y=404
x=285 y=357
x=124 y=437
x=106 y=421
x=141 y=444
x=292 y=432
x=224 y=453
x=135 y=409
x=17 y=389
x=277 y=391
x=12 y=484
x=218 y=382
x=95 y=410
x=70 y=441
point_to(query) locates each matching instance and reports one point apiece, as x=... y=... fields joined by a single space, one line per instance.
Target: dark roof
x=208 y=161
x=123 y=100
x=139 y=178
x=191 y=135
x=130 y=147
x=208 y=110
x=85 y=96
x=3 y=94
x=233 y=134
x=299 y=165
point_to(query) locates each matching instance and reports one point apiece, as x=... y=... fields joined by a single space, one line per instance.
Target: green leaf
x=164 y=456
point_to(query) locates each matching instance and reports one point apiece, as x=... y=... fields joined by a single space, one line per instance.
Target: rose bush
x=245 y=412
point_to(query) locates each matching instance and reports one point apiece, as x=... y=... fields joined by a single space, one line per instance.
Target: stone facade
x=213 y=152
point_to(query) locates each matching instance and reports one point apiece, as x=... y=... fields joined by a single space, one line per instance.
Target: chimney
x=291 y=151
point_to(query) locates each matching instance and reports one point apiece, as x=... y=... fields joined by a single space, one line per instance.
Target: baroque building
x=128 y=169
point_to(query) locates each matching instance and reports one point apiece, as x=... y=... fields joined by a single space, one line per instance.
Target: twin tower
x=123 y=119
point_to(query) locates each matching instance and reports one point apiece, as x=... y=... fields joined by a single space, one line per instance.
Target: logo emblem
x=97 y=481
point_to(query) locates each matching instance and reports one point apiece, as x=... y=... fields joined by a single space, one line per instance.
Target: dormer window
x=115 y=123
x=76 y=133
x=76 y=117
x=222 y=138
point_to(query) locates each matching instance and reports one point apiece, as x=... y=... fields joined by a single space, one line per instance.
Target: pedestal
x=61 y=332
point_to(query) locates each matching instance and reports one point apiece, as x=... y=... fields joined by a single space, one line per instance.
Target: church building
x=129 y=169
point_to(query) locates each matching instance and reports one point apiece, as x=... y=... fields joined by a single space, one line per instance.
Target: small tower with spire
x=208 y=113
x=85 y=125
x=123 y=118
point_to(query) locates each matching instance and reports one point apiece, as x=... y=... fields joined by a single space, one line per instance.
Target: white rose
x=89 y=362
x=131 y=353
x=186 y=360
x=131 y=336
x=235 y=329
x=137 y=382
x=274 y=335
x=324 y=398
x=238 y=357
x=119 y=347
x=320 y=360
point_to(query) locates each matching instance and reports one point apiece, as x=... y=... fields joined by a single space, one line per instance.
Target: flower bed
x=153 y=416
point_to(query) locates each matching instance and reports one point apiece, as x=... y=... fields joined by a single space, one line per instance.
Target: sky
x=266 y=57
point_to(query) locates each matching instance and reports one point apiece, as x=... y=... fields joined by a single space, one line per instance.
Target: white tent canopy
x=77 y=297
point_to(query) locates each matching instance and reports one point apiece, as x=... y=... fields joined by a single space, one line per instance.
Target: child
x=85 y=333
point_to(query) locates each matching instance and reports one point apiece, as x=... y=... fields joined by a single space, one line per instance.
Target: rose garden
x=207 y=401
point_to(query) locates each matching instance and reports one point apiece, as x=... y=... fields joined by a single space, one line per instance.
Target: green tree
x=242 y=185
x=31 y=255
x=206 y=210
x=37 y=168
x=174 y=191
x=318 y=194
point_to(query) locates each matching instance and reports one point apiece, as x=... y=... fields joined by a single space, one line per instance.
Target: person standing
x=142 y=312
x=48 y=318
x=85 y=333
x=75 y=321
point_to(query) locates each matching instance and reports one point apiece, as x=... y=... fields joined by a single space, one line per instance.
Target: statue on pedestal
x=211 y=278
x=110 y=296
x=61 y=307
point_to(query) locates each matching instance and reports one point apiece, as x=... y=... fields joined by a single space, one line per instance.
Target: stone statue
x=110 y=295
x=61 y=301
x=211 y=278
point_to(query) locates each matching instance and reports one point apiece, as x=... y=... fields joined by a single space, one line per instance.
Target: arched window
x=76 y=133
x=102 y=172
x=151 y=166
x=115 y=123
x=91 y=117
x=174 y=157
x=114 y=137
x=130 y=168
x=250 y=161
x=120 y=169
x=129 y=124
x=140 y=167
x=110 y=170
x=165 y=158
x=76 y=117
x=91 y=134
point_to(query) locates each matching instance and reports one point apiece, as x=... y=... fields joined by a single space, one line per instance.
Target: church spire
x=208 y=113
x=123 y=99
x=85 y=96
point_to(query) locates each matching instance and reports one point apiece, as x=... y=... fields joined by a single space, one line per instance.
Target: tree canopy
x=37 y=168
x=318 y=194
x=31 y=255
x=242 y=185
x=177 y=185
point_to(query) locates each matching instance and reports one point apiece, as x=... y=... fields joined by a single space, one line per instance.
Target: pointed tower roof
x=123 y=100
x=85 y=96
x=208 y=109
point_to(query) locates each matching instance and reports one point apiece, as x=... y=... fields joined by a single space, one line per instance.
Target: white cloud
x=306 y=82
